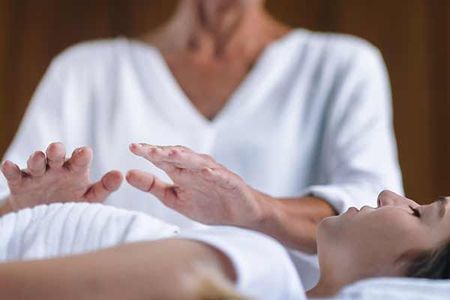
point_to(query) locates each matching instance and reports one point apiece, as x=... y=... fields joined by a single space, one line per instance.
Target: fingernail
x=149 y=145
x=79 y=150
x=135 y=146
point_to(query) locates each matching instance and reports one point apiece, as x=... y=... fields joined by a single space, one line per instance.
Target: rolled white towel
x=72 y=228
x=396 y=289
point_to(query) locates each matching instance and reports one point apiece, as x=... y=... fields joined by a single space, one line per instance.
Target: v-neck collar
x=160 y=82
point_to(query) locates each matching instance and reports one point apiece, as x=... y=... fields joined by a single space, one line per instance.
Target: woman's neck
x=323 y=289
x=217 y=32
x=332 y=281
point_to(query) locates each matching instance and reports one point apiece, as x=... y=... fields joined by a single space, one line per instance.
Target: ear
x=409 y=260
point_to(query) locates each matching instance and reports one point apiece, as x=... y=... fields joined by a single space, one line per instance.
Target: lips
x=352 y=210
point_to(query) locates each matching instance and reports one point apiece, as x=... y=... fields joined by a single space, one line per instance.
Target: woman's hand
x=50 y=177
x=203 y=190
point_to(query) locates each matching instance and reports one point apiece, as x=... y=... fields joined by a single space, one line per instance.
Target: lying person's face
x=381 y=241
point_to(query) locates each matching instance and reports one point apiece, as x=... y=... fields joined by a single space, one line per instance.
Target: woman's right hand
x=50 y=177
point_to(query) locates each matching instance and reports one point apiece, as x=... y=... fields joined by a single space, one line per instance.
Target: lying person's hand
x=203 y=189
x=50 y=177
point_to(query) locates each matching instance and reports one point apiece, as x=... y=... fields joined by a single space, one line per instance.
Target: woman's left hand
x=203 y=189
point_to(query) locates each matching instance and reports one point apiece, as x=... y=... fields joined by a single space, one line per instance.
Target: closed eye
x=416 y=212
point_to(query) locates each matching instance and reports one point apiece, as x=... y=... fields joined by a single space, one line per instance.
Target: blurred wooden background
x=414 y=36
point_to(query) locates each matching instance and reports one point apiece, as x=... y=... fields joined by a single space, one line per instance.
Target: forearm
x=293 y=221
x=150 y=270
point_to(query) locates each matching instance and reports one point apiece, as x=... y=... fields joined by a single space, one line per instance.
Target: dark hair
x=431 y=264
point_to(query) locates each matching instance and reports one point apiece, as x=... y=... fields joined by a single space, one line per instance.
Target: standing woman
x=300 y=123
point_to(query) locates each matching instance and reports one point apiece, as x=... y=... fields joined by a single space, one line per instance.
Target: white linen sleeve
x=57 y=105
x=264 y=269
x=359 y=154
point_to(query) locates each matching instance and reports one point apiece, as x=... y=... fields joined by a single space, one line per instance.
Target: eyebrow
x=442 y=202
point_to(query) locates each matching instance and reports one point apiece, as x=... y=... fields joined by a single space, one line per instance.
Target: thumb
x=109 y=183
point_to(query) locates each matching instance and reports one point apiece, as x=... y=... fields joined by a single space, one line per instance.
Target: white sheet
x=397 y=289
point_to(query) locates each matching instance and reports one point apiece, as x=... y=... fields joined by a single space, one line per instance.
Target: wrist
x=6 y=207
x=265 y=209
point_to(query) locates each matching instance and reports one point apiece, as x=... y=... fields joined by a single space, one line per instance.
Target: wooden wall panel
x=413 y=35
x=439 y=71
x=27 y=50
x=146 y=15
x=4 y=32
x=401 y=31
x=309 y=14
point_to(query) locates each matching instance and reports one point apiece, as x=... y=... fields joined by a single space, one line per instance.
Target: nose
x=367 y=208
x=389 y=198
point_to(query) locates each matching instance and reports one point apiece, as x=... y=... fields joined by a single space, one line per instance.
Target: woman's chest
x=209 y=85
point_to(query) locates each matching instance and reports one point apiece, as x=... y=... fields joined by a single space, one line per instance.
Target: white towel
x=396 y=289
x=61 y=229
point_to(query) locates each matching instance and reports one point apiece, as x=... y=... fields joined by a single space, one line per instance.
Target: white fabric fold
x=264 y=269
x=74 y=228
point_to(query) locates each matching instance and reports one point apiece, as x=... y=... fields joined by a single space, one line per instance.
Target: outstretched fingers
x=56 y=155
x=100 y=190
x=81 y=159
x=150 y=154
x=12 y=173
x=177 y=156
x=37 y=164
x=147 y=182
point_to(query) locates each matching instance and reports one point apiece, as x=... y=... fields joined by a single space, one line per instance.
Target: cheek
x=382 y=231
x=365 y=228
x=338 y=234
x=374 y=241
x=387 y=234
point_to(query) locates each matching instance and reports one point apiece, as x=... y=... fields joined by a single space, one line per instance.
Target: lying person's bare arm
x=165 y=269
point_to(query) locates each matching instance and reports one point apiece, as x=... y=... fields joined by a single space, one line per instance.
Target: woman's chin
x=328 y=224
x=331 y=226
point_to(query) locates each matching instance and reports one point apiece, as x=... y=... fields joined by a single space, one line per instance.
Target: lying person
x=399 y=238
